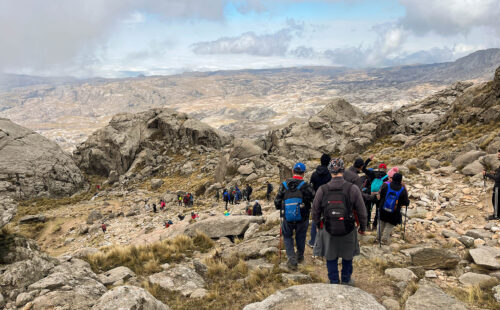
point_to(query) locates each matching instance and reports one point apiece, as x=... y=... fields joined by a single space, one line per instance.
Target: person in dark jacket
x=226 y=197
x=371 y=175
x=300 y=227
x=319 y=177
x=257 y=209
x=351 y=175
x=269 y=190
x=249 y=190
x=388 y=220
x=346 y=246
x=495 y=198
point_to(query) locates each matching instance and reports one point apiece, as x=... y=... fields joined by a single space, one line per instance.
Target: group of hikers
x=234 y=195
x=187 y=200
x=341 y=201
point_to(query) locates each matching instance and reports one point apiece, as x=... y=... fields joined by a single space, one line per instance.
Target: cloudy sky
x=117 y=38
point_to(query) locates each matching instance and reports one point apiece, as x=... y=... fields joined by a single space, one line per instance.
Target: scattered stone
x=318 y=296
x=473 y=279
x=486 y=256
x=431 y=297
x=430 y=274
x=259 y=263
x=496 y=292
x=156 y=184
x=129 y=298
x=479 y=233
x=252 y=229
x=467 y=241
x=115 y=275
x=39 y=218
x=450 y=234
x=94 y=216
x=222 y=226
x=434 y=258
x=391 y=304
x=400 y=274
x=179 y=279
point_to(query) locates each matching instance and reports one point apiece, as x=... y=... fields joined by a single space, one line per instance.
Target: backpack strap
x=285 y=185
x=384 y=177
x=300 y=185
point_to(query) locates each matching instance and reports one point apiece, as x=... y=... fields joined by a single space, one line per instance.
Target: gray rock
x=94 y=216
x=38 y=218
x=113 y=177
x=450 y=234
x=246 y=169
x=467 y=241
x=486 y=257
x=400 y=274
x=482 y=280
x=479 y=234
x=156 y=183
x=291 y=278
x=179 y=279
x=431 y=297
x=467 y=158
x=8 y=209
x=318 y=296
x=253 y=248
x=222 y=226
x=496 y=293
x=117 y=274
x=84 y=252
x=434 y=258
x=259 y=264
x=391 y=304
x=473 y=168
x=245 y=148
x=252 y=229
x=433 y=163
x=33 y=166
x=129 y=298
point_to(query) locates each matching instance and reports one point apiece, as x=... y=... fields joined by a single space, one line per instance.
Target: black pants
x=369 y=207
x=496 y=195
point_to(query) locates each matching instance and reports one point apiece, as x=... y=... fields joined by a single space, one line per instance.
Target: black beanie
x=358 y=163
x=325 y=159
x=397 y=178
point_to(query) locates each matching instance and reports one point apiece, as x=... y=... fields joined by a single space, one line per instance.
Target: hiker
x=393 y=196
x=194 y=216
x=232 y=193
x=372 y=186
x=154 y=208
x=257 y=209
x=294 y=199
x=191 y=199
x=168 y=223
x=335 y=206
x=269 y=190
x=319 y=177
x=390 y=174
x=244 y=194
x=249 y=192
x=226 y=197
x=181 y=217
x=186 y=200
x=495 y=198
x=98 y=187
x=179 y=199
x=237 y=195
x=249 y=209
x=162 y=204
x=217 y=195
x=104 y=228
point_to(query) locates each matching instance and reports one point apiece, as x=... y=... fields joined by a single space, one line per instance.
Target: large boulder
x=129 y=298
x=434 y=258
x=33 y=166
x=318 y=296
x=477 y=279
x=116 y=275
x=467 y=158
x=180 y=279
x=431 y=297
x=245 y=148
x=486 y=257
x=222 y=226
x=130 y=137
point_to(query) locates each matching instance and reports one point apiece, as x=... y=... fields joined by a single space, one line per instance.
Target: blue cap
x=299 y=167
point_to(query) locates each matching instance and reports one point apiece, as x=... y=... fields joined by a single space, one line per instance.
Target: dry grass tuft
x=147 y=259
x=475 y=296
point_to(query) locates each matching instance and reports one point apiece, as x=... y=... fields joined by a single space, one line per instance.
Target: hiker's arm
x=316 y=207
x=403 y=198
x=369 y=173
x=308 y=195
x=278 y=201
x=359 y=206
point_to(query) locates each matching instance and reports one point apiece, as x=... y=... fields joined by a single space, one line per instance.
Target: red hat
x=382 y=166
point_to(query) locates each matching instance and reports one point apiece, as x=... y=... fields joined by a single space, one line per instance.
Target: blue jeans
x=300 y=239
x=333 y=271
x=313 y=234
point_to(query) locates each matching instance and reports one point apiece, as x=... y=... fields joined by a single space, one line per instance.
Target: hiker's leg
x=333 y=270
x=300 y=238
x=369 y=206
x=313 y=234
x=346 y=271
x=386 y=234
x=381 y=230
x=287 y=231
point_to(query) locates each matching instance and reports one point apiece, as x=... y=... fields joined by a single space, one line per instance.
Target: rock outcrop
x=318 y=296
x=33 y=166
x=7 y=210
x=129 y=298
x=133 y=140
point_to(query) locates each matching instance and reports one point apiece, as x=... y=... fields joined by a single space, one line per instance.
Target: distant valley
x=243 y=103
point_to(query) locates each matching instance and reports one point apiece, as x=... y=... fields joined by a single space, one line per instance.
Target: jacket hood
x=322 y=170
x=293 y=183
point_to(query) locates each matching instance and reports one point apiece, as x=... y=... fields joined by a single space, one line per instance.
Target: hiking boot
x=310 y=245
x=300 y=260
x=350 y=283
x=491 y=218
x=292 y=267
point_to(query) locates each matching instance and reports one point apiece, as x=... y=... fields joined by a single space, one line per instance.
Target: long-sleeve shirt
x=495 y=177
x=355 y=198
x=307 y=196
x=351 y=175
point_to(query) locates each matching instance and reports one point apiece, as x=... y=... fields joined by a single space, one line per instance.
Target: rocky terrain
x=53 y=253
x=246 y=103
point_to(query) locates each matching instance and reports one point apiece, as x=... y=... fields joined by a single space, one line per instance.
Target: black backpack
x=257 y=210
x=338 y=215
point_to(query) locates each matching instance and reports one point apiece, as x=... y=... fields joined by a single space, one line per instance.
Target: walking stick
x=379 y=233
x=281 y=225
x=496 y=203
x=404 y=225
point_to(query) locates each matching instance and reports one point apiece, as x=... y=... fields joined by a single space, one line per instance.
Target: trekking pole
x=495 y=212
x=379 y=233
x=281 y=225
x=404 y=225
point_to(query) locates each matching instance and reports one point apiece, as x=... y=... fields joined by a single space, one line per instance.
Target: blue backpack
x=377 y=184
x=391 y=199
x=293 y=201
